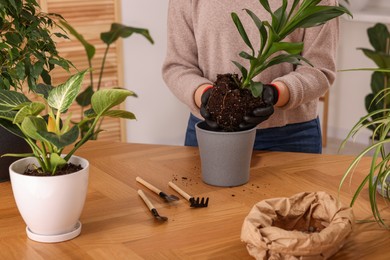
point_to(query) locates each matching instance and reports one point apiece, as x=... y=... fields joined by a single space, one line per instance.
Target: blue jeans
x=301 y=137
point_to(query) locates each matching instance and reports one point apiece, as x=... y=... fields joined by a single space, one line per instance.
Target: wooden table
x=117 y=224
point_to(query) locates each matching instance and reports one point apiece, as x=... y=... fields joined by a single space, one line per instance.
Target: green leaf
x=378 y=82
x=8 y=115
x=89 y=113
x=62 y=97
x=23 y=155
x=46 y=77
x=267 y=7
x=105 y=99
x=36 y=69
x=120 y=114
x=19 y=69
x=312 y=16
x=378 y=37
x=43 y=90
x=10 y=127
x=242 y=31
x=246 y=55
x=289 y=58
x=256 y=88
x=12 y=100
x=89 y=48
x=56 y=161
x=60 y=141
x=119 y=30
x=31 y=126
x=289 y=47
x=260 y=26
x=33 y=109
x=381 y=60
x=84 y=98
x=280 y=17
x=243 y=70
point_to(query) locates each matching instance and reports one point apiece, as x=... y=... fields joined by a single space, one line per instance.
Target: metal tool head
x=168 y=198
x=157 y=216
x=199 y=203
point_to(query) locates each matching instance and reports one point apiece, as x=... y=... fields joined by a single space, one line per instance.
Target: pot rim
x=84 y=163
x=199 y=127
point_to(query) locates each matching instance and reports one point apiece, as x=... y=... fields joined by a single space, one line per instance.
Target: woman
x=203 y=41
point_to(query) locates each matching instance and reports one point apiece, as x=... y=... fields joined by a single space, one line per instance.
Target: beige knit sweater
x=203 y=40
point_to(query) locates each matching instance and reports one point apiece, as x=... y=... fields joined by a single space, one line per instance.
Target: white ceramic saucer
x=55 y=238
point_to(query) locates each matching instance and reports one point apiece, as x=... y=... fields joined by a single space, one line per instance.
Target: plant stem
x=386 y=77
x=102 y=68
x=86 y=137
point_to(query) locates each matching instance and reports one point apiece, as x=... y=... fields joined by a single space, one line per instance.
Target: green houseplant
x=28 y=54
x=377 y=119
x=48 y=136
x=60 y=180
x=116 y=32
x=226 y=153
x=290 y=16
x=379 y=38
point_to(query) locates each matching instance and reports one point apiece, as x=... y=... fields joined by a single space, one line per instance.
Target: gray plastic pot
x=225 y=156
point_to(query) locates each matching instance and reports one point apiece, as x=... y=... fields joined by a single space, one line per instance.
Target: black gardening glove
x=260 y=114
x=203 y=111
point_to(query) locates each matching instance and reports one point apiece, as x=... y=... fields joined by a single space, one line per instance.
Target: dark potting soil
x=228 y=103
x=66 y=169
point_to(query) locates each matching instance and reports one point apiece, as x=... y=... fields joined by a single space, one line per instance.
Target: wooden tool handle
x=180 y=191
x=145 y=199
x=148 y=185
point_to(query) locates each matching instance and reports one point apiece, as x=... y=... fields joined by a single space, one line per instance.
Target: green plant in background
x=379 y=172
x=379 y=38
x=117 y=31
x=49 y=135
x=273 y=50
x=27 y=50
x=378 y=120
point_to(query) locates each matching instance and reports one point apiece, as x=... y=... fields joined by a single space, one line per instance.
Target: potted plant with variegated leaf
x=50 y=187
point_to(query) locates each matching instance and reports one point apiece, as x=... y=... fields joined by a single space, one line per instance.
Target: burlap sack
x=304 y=226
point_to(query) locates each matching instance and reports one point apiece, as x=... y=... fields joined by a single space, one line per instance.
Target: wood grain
x=118 y=225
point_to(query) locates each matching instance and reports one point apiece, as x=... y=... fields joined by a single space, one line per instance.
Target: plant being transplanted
x=48 y=135
x=232 y=97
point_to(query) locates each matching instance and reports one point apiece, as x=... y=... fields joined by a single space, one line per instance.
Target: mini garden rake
x=195 y=202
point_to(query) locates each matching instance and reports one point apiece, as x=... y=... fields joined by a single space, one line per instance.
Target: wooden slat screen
x=90 y=18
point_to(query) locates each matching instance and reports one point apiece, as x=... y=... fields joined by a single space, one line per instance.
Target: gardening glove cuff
x=203 y=110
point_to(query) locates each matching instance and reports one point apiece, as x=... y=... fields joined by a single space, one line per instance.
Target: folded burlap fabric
x=305 y=226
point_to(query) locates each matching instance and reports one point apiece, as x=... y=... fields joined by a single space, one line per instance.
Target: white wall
x=162 y=118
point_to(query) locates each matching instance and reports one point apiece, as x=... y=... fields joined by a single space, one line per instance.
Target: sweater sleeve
x=180 y=70
x=307 y=82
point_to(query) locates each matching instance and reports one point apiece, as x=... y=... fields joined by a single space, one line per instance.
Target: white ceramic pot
x=50 y=206
x=225 y=156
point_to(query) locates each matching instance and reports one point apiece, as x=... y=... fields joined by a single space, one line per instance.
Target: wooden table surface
x=117 y=224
